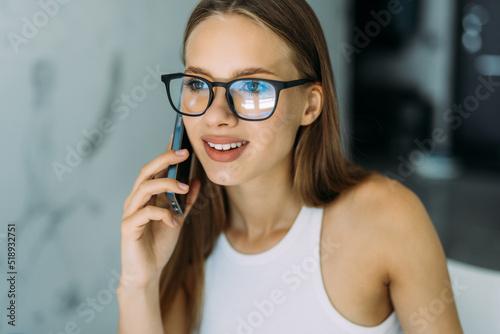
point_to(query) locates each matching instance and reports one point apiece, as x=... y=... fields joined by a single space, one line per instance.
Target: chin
x=224 y=178
x=229 y=175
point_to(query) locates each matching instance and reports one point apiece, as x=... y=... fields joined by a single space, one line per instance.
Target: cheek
x=277 y=133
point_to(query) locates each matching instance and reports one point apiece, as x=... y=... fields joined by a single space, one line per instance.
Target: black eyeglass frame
x=278 y=87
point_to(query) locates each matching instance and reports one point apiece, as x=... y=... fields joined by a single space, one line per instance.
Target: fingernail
x=182 y=185
x=181 y=152
x=174 y=222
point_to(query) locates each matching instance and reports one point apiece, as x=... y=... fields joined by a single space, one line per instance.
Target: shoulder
x=383 y=226
x=382 y=201
x=378 y=188
x=386 y=217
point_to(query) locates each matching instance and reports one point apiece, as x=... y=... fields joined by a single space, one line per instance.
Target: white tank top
x=277 y=291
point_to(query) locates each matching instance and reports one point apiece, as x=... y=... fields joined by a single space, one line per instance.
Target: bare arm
x=420 y=286
x=139 y=310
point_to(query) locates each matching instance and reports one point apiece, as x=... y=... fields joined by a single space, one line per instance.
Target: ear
x=314 y=104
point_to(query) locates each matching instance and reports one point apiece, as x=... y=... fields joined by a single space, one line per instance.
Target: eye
x=195 y=85
x=255 y=87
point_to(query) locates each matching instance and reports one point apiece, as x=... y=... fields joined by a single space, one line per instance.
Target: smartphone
x=182 y=171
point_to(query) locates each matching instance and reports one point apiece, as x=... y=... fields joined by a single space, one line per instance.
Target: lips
x=222 y=140
x=224 y=149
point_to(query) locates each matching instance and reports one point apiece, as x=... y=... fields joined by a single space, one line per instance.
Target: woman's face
x=218 y=49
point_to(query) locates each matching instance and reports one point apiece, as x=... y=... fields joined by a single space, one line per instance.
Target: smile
x=226 y=152
x=225 y=147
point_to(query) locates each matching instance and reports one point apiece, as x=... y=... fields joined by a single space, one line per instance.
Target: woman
x=282 y=233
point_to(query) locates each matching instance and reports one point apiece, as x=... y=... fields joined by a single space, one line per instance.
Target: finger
x=133 y=227
x=158 y=164
x=162 y=174
x=127 y=200
x=149 y=188
x=194 y=190
x=155 y=166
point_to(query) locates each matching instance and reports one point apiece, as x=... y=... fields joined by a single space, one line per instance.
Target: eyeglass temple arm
x=299 y=82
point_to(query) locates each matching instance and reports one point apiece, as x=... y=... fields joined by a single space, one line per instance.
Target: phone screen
x=182 y=171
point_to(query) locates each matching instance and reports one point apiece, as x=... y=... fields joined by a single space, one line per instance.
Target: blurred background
x=82 y=110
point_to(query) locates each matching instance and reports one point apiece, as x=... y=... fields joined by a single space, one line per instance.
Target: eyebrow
x=237 y=73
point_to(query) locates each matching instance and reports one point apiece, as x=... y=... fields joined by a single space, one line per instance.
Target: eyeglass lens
x=252 y=99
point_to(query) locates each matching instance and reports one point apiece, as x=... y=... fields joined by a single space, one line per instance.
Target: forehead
x=222 y=44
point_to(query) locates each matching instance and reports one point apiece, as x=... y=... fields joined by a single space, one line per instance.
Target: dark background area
x=436 y=131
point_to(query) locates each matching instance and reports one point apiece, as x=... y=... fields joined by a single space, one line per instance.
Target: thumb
x=194 y=190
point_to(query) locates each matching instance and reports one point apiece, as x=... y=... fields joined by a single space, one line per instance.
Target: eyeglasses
x=250 y=99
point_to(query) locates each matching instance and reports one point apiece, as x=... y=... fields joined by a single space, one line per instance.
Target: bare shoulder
x=399 y=213
x=382 y=214
x=388 y=227
x=393 y=208
x=379 y=189
x=383 y=202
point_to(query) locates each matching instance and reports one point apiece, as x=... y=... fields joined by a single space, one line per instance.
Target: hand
x=148 y=229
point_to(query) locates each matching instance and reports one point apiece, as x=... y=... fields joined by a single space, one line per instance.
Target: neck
x=263 y=205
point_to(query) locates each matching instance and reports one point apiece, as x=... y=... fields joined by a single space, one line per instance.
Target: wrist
x=148 y=288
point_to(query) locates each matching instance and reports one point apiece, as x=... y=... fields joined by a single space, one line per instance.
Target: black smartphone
x=182 y=171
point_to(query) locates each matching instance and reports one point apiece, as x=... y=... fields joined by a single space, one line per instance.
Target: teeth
x=226 y=147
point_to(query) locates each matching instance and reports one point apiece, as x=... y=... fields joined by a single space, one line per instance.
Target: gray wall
x=68 y=69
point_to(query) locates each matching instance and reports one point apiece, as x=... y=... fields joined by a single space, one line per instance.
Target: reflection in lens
x=253 y=99
x=190 y=93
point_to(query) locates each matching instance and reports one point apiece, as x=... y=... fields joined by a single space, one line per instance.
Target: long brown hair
x=319 y=174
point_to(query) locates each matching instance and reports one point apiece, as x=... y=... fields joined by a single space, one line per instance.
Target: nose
x=219 y=113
